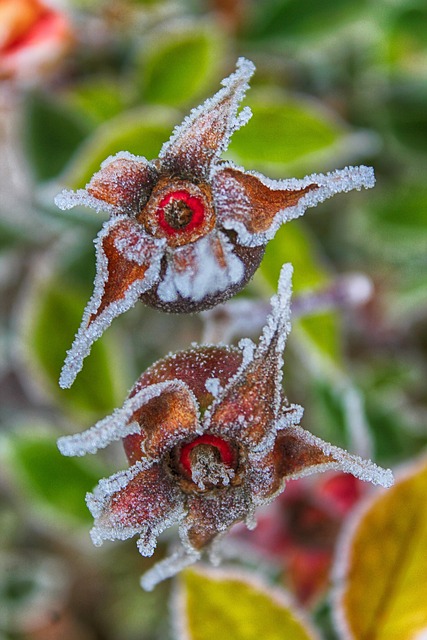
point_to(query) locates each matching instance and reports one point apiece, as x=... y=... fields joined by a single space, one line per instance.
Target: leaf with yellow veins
x=212 y=604
x=382 y=583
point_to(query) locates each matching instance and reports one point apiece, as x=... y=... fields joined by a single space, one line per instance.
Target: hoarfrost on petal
x=323 y=186
x=69 y=199
x=143 y=499
x=168 y=568
x=335 y=458
x=107 y=487
x=291 y=415
x=94 y=321
x=260 y=376
x=278 y=324
x=200 y=269
x=118 y=425
x=206 y=131
x=122 y=185
x=213 y=386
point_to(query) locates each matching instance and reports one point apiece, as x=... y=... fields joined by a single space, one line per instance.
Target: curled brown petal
x=299 y=453
x=125 y=182
x=243 y=197
x=135 y=501
x=165 y=420
x=128 y=263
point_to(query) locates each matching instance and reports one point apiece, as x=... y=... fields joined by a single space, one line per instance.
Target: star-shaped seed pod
x=188 y=231
x=209 y=436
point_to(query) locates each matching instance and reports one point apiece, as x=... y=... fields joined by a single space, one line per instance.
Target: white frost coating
x=119 y=424
x=87 y=335
x=68 y=199
x=107 y=487
x=248 y=349
x=339 y=181
x=343 y=461
x=279 y=321
x=126 y=155
x=168 y=568
x=213 y=386
x=207 y=277
x=151 y=531
x=139 y=249
x=290 y=417
x=234 y=85
x=110 y=526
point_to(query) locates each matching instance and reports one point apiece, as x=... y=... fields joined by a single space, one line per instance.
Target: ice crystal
x=187 y=231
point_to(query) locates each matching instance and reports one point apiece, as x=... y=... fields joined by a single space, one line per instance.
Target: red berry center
x=224 y=449
x=180 y=212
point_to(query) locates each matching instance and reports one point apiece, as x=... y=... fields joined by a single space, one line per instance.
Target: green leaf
x=319 y=331
x=141 y=132
x=406 y=113
x=52 y=132
x=394 y=226
x=288 y=135
x=179 y=65
x=48 y=477
x=97 y=99
x=220 y=604
x=382 y=581
x=407 y=38
x=295 y=18
x=52 y=316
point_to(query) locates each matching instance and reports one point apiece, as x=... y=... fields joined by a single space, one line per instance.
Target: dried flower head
x=209 y=436
x=188 y=230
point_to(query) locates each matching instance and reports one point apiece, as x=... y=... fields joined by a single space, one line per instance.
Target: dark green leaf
x=52 y=133
x=295 y=18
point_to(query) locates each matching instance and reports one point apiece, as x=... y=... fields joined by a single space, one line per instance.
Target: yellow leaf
x=383 y=592
x=214 y=604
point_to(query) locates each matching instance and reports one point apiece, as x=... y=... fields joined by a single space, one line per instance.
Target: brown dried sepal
x=124 y=183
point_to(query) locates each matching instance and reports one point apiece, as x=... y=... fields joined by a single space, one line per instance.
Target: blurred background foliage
x=337 y=82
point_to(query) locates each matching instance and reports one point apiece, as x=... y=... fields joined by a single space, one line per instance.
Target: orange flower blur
x=33 y=38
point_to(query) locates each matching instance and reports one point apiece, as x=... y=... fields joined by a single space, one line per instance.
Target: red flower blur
x=33 y=38
x=299 y=531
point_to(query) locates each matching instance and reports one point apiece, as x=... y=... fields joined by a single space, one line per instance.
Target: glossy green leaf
x=141 y=132
x=227 y=605
x=288 y=136
x=48 y=477
x=52 y=132
x=179 y=65
x=383 y=580
x=292 y=243
x=52 y=318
